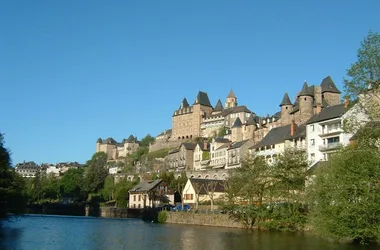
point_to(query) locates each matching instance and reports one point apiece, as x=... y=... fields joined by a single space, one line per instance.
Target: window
x=312 y=142
x=312 y=127
x=134 y=197
x=139 y=197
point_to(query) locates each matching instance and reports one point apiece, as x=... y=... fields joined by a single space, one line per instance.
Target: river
x=69 y=232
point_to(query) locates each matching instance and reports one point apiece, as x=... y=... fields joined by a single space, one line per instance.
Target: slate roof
x=328 y=85
x=237 y=123
x=173 y=151
x=286 y=100
x=238 y=144
x=132 y=139
x=231 y=94
x=296 y=107
x=145 y=186
x=327 y=113
x=222 y=140
x=202 y=99
x=99 y=140
x=299 y=133
x=274 y=136
x=305 y=90
x=110 y=140
x=251 y=120
x=225 y=145
x=184 y=104
x=203 y=183
x=219 y=106
x=189 y=145
x=236 y=109
x=166 y=132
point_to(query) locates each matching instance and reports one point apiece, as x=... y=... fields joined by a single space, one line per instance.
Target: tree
x=345 y=196
x=147 y=140
x=210 y=188
x=71 y=183
x=197 y=189
x=365 y=72
x=96 y=172
x=12 y=196
x=109 y=188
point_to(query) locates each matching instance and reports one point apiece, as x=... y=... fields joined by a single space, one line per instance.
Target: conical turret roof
x=184 y=104
x=99 y=140
x=237 y=123
x=328 y=85
x=219 y=106
x=251 y=120
x=231 y=94
x=202 y=99
x=305 y=90
x=286 y=100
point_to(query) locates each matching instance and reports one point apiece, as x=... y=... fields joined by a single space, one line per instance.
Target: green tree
x=109 y=188
x=121 y=191
x=12 y=196
x=71 y=184
x=96 y=172
x=146 y=141
x=365 y=71
x=345 y=196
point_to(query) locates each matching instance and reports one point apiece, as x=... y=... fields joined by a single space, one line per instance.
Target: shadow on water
x=10 y=236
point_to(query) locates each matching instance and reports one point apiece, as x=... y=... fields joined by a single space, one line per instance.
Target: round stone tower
x=306 y=99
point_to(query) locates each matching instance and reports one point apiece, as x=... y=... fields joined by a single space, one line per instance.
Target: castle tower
x=218 y=107
x=237 y=133
x=286 y=107
x=98 y=142
x=231 y=100
x=201 y=107
x=249 y=129
x=306 y=100
x=330 y=92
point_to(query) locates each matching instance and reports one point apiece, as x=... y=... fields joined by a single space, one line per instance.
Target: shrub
x=162 y=217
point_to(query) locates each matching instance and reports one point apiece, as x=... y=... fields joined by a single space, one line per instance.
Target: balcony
x=330 y=146
x=330 y=132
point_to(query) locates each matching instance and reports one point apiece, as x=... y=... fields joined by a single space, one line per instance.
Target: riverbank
x=214 y=220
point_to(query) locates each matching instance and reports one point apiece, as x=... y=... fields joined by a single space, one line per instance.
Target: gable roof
x=237 y=123
x=231 y=94
x=328 y=85
x=238 y=144
x=221 y=140
x=236 y=109
x=203 y=184
x=296 y=107
x=251 y=120
x=202 y=99
x=219 y=106
x=274 y=136
x=145 y=186
x=286 y=100
x=188 y=145
x=299 y=133
x=327 y=113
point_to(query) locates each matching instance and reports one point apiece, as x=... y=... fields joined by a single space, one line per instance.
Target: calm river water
x=67 y=232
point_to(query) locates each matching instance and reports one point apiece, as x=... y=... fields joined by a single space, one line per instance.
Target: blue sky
x=72 y=71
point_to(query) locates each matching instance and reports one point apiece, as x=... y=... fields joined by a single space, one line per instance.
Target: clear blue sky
x=72 y=71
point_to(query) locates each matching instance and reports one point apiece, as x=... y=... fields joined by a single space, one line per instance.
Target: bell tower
x=231 y=100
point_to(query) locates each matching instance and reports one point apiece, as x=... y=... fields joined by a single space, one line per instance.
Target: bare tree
x=210 y=188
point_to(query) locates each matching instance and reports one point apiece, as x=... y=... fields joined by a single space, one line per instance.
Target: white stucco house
x=205 y=188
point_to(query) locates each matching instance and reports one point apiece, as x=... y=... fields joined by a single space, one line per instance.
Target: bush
x=162 y=217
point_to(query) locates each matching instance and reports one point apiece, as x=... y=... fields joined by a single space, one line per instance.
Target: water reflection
x=66 y=232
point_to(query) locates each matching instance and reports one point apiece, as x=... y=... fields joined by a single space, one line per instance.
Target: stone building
x=186 y=121
x=27 y=169
x=115 y=150
x=201 y=156
x=181 y=158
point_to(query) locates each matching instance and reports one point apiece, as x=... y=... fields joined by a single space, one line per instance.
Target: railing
x=330 y=146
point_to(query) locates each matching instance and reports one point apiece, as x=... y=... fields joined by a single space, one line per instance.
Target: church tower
x=231 y=100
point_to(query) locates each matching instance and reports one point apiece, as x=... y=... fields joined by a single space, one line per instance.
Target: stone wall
x=216 y=220
x=164 y=144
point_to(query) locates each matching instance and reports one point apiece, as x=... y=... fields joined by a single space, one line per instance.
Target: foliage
x=148 y=139
x=12 y=196
x=121 y=192
x=205 y=155
x=222 y=132
x=366 y=70
x=162 y=217
x=71 y=183
x=96 y=172
x=109 y=188
x=271 y=199
x=345 y=196
x=161 y=153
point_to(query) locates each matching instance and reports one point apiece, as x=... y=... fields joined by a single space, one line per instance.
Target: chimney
x=346 y=102
x=292 y=128
x=229 y=146
x=205 y=145
x=319 y=108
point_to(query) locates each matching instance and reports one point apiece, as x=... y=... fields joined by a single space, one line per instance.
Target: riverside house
x=206 y=189
x=150 y=194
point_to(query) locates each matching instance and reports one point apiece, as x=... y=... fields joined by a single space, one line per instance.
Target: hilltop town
x=206 y=141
